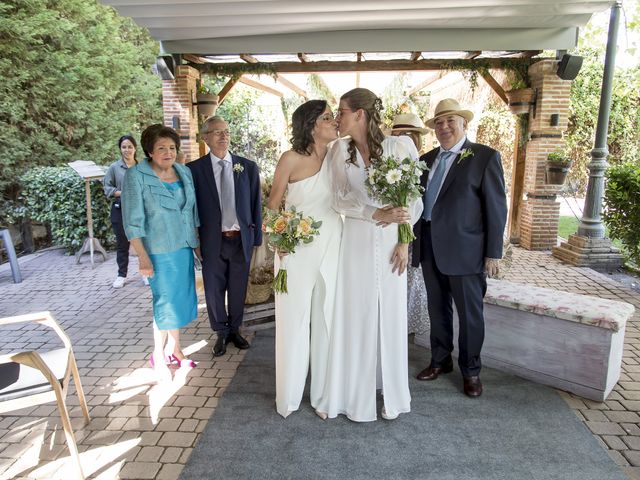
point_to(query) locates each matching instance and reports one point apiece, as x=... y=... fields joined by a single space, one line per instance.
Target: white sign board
x=87 y=169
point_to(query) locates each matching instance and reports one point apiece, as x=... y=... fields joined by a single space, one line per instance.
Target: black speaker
x=569 y=66
x=165 y=67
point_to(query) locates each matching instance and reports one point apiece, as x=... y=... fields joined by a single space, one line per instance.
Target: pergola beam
x=495 y=86
x=362 y=66
x=226 y=89
x=425 y=83
x=260 y=86
x=284 y=81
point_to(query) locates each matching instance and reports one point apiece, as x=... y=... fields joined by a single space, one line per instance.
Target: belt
x=231 y=233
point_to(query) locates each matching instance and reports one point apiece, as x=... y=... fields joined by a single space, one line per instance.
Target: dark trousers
x=226 y=274
x=122 y=243
x=467 y=291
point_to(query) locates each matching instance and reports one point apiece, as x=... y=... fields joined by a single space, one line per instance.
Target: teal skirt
x=173 y=287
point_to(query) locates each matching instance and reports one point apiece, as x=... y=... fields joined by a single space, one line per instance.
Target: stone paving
x=138 y=430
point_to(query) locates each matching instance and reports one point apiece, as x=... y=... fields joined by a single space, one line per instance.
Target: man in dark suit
x=459 y=240
x=229 y=205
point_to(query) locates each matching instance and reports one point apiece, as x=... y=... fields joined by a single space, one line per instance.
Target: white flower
x=372 y=175
x=405 y=167
x=393 y=176
x=238 y=168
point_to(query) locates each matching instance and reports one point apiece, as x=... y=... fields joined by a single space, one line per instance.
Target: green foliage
x=255 y=131
x=319 y=89
x=497 y=128
x=74 y=77
x=396 y=100
x=622 y=206
x=623 y=140
x=558 y=158
x=55 y=196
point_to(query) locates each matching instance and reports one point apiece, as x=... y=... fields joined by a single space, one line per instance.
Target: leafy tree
x=256 y=129
x=74 y=76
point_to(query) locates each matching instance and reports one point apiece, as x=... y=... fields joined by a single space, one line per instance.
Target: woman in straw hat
x=409 y=124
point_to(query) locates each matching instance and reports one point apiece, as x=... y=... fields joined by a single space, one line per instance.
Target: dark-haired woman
x=304 y=314
x=368 y=348
x=112 y=183
x=160 y=219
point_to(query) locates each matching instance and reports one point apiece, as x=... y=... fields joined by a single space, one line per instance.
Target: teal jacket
x=150 y=212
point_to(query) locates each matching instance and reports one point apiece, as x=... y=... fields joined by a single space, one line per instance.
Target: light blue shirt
x=150 y=211
x=455 y=149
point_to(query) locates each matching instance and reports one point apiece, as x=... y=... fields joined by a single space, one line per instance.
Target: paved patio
x=140 y=431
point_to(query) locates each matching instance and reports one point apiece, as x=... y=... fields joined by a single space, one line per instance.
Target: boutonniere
x=238 y=168
x=467 y=152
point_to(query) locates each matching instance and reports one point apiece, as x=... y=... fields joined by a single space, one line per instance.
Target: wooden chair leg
x=79 y=390
x=68 y=430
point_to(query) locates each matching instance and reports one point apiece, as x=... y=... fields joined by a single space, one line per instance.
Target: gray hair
x=210 y=120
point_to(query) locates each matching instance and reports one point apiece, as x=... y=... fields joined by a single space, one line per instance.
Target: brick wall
x=178 y=97
x=541 y=210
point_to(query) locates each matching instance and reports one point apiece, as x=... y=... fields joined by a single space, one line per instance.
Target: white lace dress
x=368 y=346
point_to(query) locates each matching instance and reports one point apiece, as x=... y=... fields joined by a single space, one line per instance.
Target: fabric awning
x=209 y=27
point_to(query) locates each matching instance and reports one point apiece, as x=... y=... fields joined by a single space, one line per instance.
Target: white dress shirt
x=455 y=149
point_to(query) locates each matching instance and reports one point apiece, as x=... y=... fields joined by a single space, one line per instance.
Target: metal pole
x=591 y=223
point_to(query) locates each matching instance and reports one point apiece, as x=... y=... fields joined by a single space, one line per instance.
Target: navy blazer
x=470 y=212
x=248 y=205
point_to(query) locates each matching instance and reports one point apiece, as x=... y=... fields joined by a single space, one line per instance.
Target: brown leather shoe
x=472 y=386
x=431 y=373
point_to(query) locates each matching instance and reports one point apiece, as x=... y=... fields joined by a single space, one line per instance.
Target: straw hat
x=408 y=122
x=449 y=106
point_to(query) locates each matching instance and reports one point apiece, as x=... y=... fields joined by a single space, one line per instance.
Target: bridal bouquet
x=285 y=231
x=396 y=182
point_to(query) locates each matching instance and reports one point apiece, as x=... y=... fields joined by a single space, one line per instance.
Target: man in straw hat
x=459 y=240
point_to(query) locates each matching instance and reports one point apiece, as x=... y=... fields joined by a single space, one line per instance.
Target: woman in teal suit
x=161 y=220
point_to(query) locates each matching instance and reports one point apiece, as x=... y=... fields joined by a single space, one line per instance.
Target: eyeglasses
x=341 y=111
x=327 y=117
x=218 y=133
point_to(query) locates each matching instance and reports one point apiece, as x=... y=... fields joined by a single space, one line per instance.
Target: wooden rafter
x=303 y=58
x=226 y=89
x=284 y=81
x=193 y=58
x=471 y=55
x=424 y=84
x=415 y=56
x=292 y=86
x=495 y=86
x=260 y=86
x=367 y=65
x=529 y=53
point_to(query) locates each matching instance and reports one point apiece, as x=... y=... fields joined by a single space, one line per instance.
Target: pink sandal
x=185 y=362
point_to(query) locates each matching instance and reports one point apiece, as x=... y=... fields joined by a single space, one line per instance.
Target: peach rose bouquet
x=285 y=231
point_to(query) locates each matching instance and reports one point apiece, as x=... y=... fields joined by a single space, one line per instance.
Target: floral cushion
x=573 y=307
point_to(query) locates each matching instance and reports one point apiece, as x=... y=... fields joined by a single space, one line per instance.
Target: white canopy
x=209 y=27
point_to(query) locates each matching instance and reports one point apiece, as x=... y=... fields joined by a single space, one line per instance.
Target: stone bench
x=565 y=340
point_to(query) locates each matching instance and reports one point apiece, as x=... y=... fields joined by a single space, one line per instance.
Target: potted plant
x=207 y=101
x=260 y=286
x=558 y=164
x=520 y=96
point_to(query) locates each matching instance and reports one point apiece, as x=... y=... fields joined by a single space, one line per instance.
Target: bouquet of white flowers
x=396 y=182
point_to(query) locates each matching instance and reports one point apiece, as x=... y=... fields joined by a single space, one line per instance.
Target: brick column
x=540 y=210
x=178 y=97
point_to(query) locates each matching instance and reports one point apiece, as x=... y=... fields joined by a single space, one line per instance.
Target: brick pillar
x=178 y=97
x=540 y=209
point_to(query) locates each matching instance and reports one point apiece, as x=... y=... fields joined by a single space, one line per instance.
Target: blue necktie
x=434 y=185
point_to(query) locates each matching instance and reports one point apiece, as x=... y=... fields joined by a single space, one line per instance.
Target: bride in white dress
x=368 y=348
x=304 y=314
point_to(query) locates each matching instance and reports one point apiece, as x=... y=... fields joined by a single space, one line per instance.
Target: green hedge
x=55 y=196
x=622 y=207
